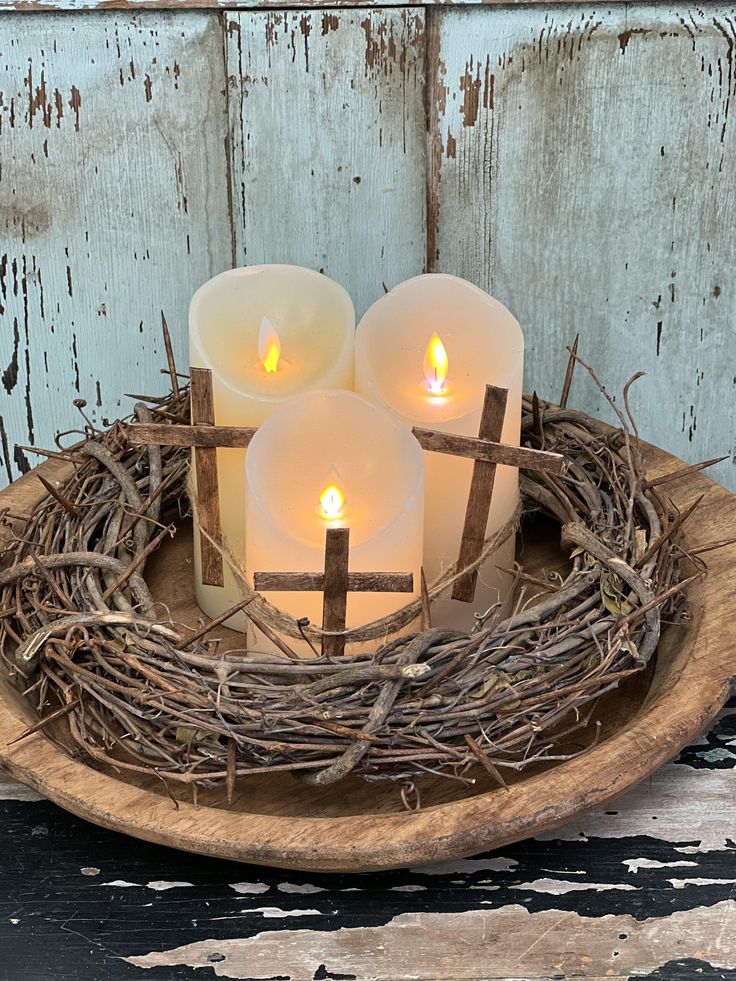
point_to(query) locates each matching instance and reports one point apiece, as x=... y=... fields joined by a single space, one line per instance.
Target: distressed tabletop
x=645 y=889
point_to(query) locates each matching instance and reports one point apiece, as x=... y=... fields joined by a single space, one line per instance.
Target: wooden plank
x=208 y=488
x=160 y=434
x=44 y=6
x=436 y=441
x=335 y=603
x=480 y=495
x=113 y=208
x=329 y=143
x=314 y=582
x=583 y=164
x=542 y=925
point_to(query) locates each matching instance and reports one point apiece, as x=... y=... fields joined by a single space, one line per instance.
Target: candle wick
x=438 y=386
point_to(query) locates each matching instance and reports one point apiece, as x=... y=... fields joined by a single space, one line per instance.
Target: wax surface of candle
x=268 y=333
x=426 y=351
x=325 y=460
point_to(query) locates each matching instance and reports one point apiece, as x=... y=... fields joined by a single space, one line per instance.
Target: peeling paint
x=634 y=864
x=10 y=375
x=626 y=36
x=75 y=102
x=328 y=121
x=559 y=887
x=330 y=22
x=95 y=239
x=305 y=26
x=470 y=86
x=514 y=190
x=452 y=945
x=250 y=888
x=536 y=180
x=5 y=452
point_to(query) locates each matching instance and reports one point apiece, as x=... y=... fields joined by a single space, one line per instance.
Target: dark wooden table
x=645 y=889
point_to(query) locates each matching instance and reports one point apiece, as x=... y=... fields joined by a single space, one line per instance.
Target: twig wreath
x=83 y=639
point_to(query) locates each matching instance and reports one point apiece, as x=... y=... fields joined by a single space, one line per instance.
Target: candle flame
x=269 y=347
x=332 y=500
x=435 y=365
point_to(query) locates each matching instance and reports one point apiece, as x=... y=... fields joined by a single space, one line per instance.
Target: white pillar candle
x=267 y=333
x=332 y=459
x=426 y=351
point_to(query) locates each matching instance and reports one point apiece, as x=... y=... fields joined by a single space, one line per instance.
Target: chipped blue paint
x=586 y=160
x=113 y=208
x=329 y=143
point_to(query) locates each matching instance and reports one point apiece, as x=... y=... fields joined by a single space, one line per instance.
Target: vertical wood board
x=44 y=6
x=583 y=163
x=329 y=143
x=113 y=208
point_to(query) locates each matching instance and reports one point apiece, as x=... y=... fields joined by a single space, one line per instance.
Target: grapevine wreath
x=93 y=651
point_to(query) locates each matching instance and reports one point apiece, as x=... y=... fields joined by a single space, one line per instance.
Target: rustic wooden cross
x=487 y=452
x=205 y=437
x=335 y=583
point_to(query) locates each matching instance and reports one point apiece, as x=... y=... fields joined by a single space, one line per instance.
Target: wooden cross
x=335 y=583
x=488 y=452
x=205 y=437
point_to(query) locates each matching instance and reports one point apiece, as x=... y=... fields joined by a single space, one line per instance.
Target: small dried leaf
x=612 y=598
x=632 y=649
x=185 y=735
x=496 y=679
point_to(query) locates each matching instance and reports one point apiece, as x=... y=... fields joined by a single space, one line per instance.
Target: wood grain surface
x=111 y=209
x=335 y=588
x=436 y=441
x=582 y=161
x=480 y=495
x=46 y=6
x=355 y=582
x=328 y=140
x=144 y=434
x=202 y=401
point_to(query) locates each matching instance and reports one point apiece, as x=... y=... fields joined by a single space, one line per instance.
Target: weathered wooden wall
x=585 y=169
x=577 y=162
x=113 y=207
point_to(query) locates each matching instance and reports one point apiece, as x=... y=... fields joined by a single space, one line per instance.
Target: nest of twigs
x=90 y=648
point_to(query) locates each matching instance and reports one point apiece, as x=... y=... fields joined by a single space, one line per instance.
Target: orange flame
x=269 y=346
x=435 y=365
x=331 y=500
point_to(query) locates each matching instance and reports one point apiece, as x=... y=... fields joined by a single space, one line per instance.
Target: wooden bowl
x=356 y=826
